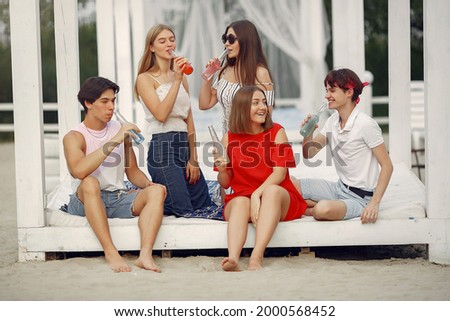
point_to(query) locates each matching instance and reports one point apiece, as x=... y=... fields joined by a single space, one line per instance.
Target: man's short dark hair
x=93 y=87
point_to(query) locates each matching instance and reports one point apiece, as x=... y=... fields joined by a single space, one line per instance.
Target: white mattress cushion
x=404 y=198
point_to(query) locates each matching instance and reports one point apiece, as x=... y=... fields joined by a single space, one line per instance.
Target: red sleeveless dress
x=252 y=158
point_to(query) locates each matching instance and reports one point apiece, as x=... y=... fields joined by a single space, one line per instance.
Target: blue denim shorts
x=118 y=204
x=320 y=189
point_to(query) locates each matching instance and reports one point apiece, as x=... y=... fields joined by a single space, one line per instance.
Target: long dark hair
x=251 y=55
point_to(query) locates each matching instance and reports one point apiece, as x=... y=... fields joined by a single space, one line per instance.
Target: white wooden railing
x=9 y=127
x=53 y=127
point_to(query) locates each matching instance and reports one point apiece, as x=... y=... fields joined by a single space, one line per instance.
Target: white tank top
x=110 y=173
x=180 y=111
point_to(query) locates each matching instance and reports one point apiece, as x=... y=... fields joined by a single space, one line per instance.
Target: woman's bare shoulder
x=263 y=75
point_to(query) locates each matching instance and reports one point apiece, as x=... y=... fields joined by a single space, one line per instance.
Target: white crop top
x=180 y=111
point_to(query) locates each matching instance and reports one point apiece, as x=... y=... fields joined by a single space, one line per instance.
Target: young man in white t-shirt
x=358 y=151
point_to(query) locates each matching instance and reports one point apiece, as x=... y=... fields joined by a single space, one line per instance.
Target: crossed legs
x=325 y=209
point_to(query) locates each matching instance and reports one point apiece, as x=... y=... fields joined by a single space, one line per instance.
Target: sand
x=351 y=273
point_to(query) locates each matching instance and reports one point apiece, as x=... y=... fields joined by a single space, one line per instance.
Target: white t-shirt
x=351 y=148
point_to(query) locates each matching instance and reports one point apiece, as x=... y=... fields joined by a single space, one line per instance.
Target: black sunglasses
x=230 y=38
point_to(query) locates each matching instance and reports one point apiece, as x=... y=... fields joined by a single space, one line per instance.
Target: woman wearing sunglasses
x=245 y=65
x=163 y=90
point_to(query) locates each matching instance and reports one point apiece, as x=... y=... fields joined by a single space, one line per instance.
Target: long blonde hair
x=148 y=60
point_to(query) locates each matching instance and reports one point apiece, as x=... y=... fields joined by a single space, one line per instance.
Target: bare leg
x=222 y=195
x=149 y=206
x=309 y=203
x=89 y=193
x=329 y=210
x=309 y=210
x=230 y=265
x=274 y=206
x=237 y=213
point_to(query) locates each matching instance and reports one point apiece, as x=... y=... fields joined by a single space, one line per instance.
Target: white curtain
x=280 y=22
x=198 y=25
x=200 y=40
x=301 y=30
x=295 y=35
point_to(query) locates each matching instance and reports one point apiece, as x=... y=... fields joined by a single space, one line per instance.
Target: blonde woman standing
x=163 y=90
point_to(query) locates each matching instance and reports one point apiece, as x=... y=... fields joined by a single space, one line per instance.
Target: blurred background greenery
x=376 y=45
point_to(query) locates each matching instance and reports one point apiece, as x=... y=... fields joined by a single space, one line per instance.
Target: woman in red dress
x=256 y=168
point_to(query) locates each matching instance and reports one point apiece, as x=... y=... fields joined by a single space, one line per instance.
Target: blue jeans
x=168 y=155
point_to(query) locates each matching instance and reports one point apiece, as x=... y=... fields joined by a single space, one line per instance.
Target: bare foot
x=116 y=262
x=146 y=262
x=230 y=265
x=254 y=264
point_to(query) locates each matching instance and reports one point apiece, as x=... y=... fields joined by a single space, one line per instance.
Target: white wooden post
x=106 y=54
x=138 y=39
x=313 y=72
x=67 y=71
x=305 y=67
x=368 y=91
x=28 y=114
x=138 y=34
x=124 y=58
x=399 y=81
x=348 y=40
x=437 y=115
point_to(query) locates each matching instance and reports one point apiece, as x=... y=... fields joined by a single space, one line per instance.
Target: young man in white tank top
x=98 y=153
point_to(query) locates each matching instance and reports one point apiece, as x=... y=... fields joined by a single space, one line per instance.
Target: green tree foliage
x=88 y=50
x=87 y=53
x=376 y=42
x=5 y=56
x=48 y=55
x=6 y=76
x=417 y=39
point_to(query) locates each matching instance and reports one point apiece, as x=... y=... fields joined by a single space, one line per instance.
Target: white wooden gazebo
x=36 y=237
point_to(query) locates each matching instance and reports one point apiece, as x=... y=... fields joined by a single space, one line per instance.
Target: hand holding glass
x=217 y=144
x=188 y=69
x=137 y=137
x=214 y=66
x=311 y=123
